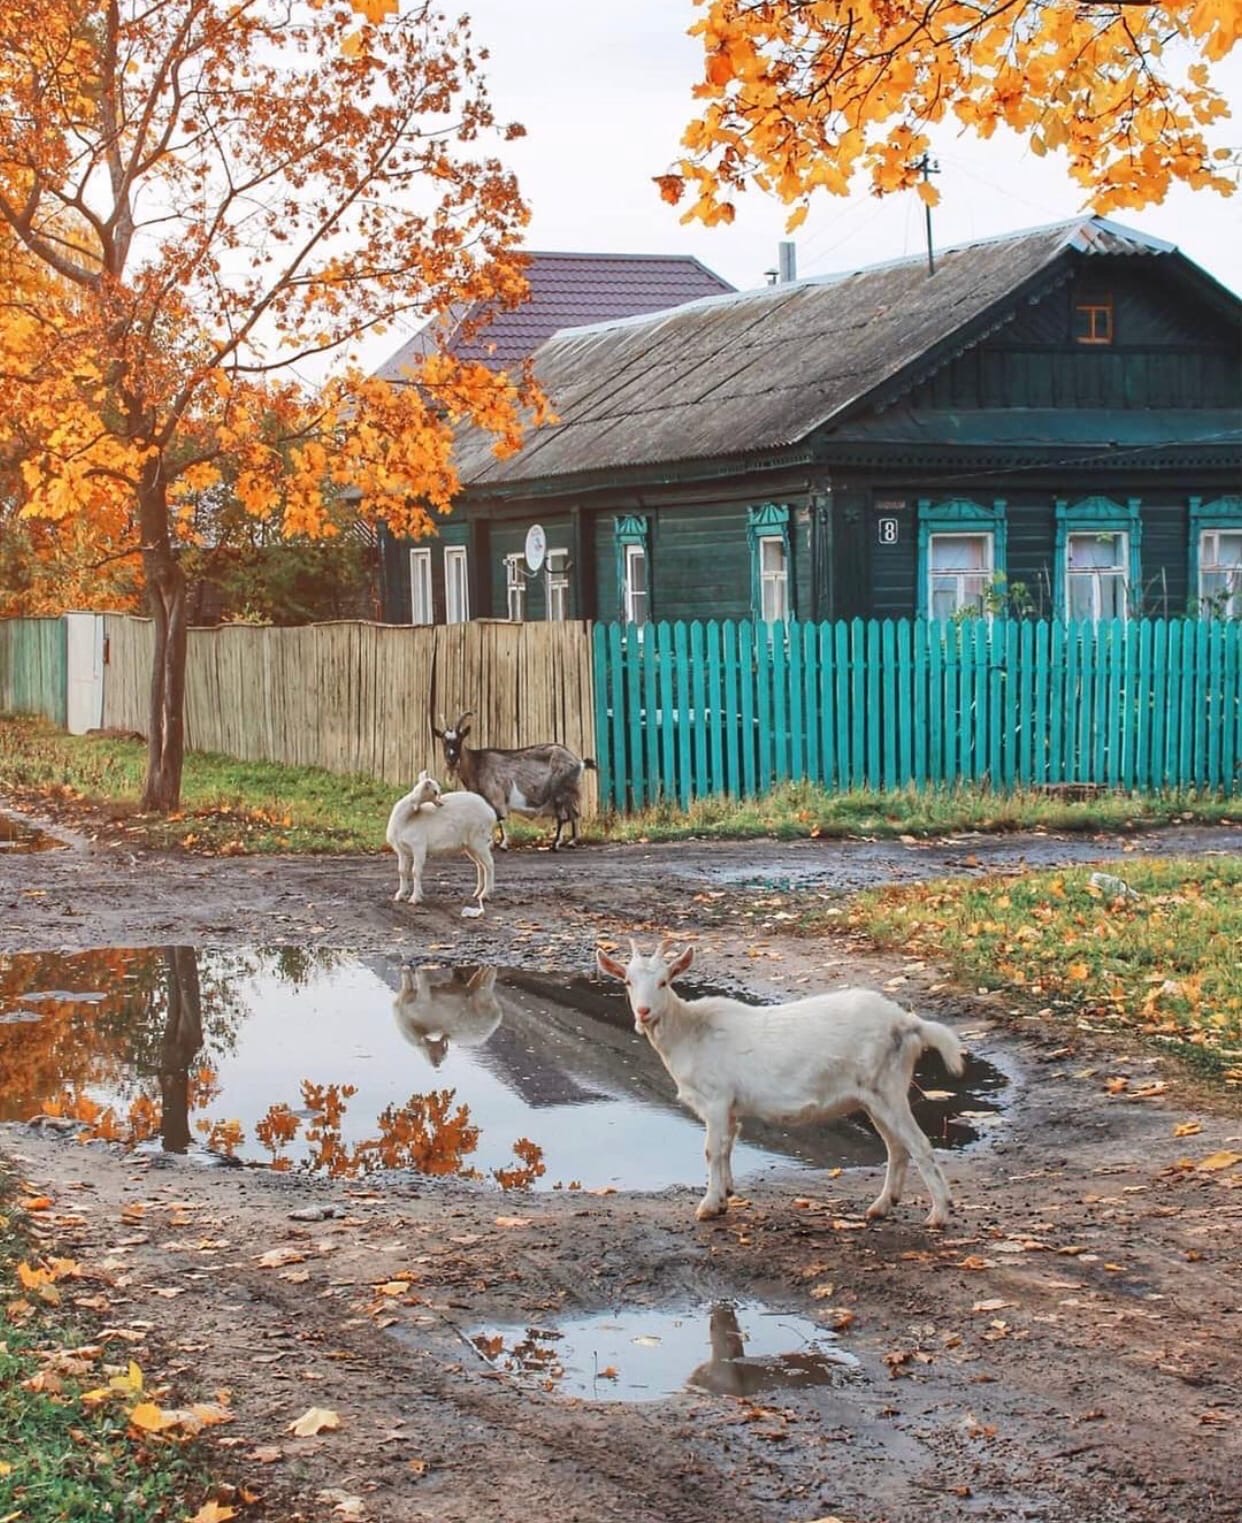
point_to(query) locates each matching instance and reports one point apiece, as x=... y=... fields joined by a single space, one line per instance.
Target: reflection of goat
x=426 y=823
x=730 y=1373
x=544 y=779
x=804 y=1060
x=439 y=1005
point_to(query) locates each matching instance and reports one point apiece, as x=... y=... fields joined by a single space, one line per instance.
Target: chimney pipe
x=787 y=254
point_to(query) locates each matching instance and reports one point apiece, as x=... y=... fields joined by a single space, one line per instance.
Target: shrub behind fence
x=687 y=710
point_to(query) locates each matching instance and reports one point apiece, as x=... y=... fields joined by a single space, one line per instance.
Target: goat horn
x=460 y=717
x=634 y=952
x=666 y=946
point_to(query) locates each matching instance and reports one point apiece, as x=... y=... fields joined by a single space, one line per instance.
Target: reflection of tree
x=183 y=1036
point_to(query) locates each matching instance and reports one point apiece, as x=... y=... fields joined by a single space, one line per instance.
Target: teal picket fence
x=34 y=667
x=687 y=710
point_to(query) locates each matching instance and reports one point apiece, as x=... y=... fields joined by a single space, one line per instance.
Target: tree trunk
x=167 y=600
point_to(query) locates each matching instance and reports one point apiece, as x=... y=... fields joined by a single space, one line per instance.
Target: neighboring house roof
x=757 y=372
x=566 y=291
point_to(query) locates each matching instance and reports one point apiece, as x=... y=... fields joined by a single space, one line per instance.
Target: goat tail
x=946 y=1043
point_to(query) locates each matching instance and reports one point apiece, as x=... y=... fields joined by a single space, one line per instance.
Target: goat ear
x=677 y=968
x=424 y=775
x=609 y=965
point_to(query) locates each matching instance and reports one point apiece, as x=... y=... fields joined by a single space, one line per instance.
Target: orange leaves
x=788 y=88
x=314 y=1420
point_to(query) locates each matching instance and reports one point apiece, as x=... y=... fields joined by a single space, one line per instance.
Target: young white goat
x=808 y=1060
x=428 y=823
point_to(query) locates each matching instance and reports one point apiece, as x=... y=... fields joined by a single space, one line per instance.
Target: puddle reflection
x=648 y=1355
x=323 y=1061
x=17 y=835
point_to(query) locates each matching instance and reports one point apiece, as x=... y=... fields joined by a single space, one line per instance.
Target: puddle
x=345 y=1065
x=17 y=835
x=730 y=1348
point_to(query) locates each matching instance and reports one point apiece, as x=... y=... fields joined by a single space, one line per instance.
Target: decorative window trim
x=1220 y=513
x=770 y=521
x=556 y=586
x=455 y=555
x=630 y=530
x=1098 y=515
x=515 y=582
x=958 y=515
x=420 y=558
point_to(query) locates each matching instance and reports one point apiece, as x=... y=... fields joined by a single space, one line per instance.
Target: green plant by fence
x=688 y=710
x=34 y=663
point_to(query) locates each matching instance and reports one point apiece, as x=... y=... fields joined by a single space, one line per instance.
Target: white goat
x=808 y=1060
x=428 y=823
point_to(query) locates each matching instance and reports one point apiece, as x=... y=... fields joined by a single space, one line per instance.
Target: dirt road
x=1070 y=1349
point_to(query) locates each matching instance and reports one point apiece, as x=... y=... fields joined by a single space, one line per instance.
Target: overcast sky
x=603 y=89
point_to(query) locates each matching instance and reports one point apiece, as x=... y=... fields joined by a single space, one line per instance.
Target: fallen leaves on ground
x=314 y=1420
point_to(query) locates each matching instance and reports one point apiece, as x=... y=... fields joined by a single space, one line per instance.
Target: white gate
x=85 y=691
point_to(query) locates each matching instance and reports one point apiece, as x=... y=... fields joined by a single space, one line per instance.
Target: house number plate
x=888 y=530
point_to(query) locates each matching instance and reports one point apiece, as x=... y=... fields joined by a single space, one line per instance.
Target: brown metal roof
x=568 y=291
x=760 y=370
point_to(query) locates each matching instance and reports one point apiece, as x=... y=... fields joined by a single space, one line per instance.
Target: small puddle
x=730 y=1348
x=345 y=1065
x=19 y=835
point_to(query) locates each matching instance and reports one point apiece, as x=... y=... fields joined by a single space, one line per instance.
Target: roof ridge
x=1076 y=235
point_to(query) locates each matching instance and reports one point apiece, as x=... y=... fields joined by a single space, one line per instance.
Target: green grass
x=234 y=806
x=1164 y=966
x=61 y=1462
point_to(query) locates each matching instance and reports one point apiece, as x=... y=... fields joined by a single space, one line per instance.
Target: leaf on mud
x=266 y=1454
x=343 y=1504
x=1187 y=1128
x=36 y=1203
x=275 y=1257
x=995 y=1303
x=314 y=1420
x=213 y=1512
x=1216 y=1161
x=1117 y=1085
x=822 y=1292
x=513 y=1221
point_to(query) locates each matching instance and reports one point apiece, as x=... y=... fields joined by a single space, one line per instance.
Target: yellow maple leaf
x=213 y=1512
x=151 y=1418
x=1216 y=1161
x=314 y=1420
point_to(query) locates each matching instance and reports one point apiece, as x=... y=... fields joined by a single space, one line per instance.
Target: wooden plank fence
x=34 y=668
x=684 y=711
x=356 y=698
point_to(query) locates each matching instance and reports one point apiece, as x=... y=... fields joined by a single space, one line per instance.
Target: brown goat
x=543 y=779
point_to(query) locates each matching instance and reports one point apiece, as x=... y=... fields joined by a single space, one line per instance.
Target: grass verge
x=68 y=1447
x=233 y=807
x=1163 y=965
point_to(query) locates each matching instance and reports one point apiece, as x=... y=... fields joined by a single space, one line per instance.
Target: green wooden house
x=1052 y=422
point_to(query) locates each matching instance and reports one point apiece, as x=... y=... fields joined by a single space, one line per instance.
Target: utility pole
x=929 y=167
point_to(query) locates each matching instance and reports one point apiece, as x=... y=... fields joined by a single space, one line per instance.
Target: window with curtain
x=515 y=586
x=635 y=584
x=959 y=569
x=422 y=609
x=456 y=585
x=556 y=583
x=1095 y=575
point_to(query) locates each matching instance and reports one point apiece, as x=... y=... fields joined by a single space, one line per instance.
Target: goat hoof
x=705 y=1210
x=877 y=1210
x=937 y=1219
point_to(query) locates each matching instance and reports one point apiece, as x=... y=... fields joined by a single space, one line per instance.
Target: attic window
x=1093 y=318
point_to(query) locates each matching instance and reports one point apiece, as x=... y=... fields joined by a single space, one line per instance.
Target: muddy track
x=1068 y=1351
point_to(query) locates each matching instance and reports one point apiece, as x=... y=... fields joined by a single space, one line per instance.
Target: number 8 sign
x=887 y=530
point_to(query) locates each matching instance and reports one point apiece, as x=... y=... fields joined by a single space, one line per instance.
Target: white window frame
x=1096 y=573
x=773 y=585
x=935 y=574
x=1209 y=551
x=456 y=584
x=515 y=586
x=556 y=586
x=422 y=601
x=633 y=555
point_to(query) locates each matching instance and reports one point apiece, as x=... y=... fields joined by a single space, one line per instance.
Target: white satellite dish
x=536 y=546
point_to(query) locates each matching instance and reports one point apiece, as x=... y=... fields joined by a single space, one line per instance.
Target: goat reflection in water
x=439 y=1006
x=730 y=1373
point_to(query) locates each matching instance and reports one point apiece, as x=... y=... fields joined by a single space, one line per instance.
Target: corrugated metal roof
x=566 y=291
x=761 y=370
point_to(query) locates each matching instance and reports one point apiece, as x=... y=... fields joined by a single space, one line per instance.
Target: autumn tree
x=808 y=95
x=225 y=191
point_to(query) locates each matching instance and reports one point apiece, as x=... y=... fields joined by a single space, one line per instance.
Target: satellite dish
x=536 y=546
